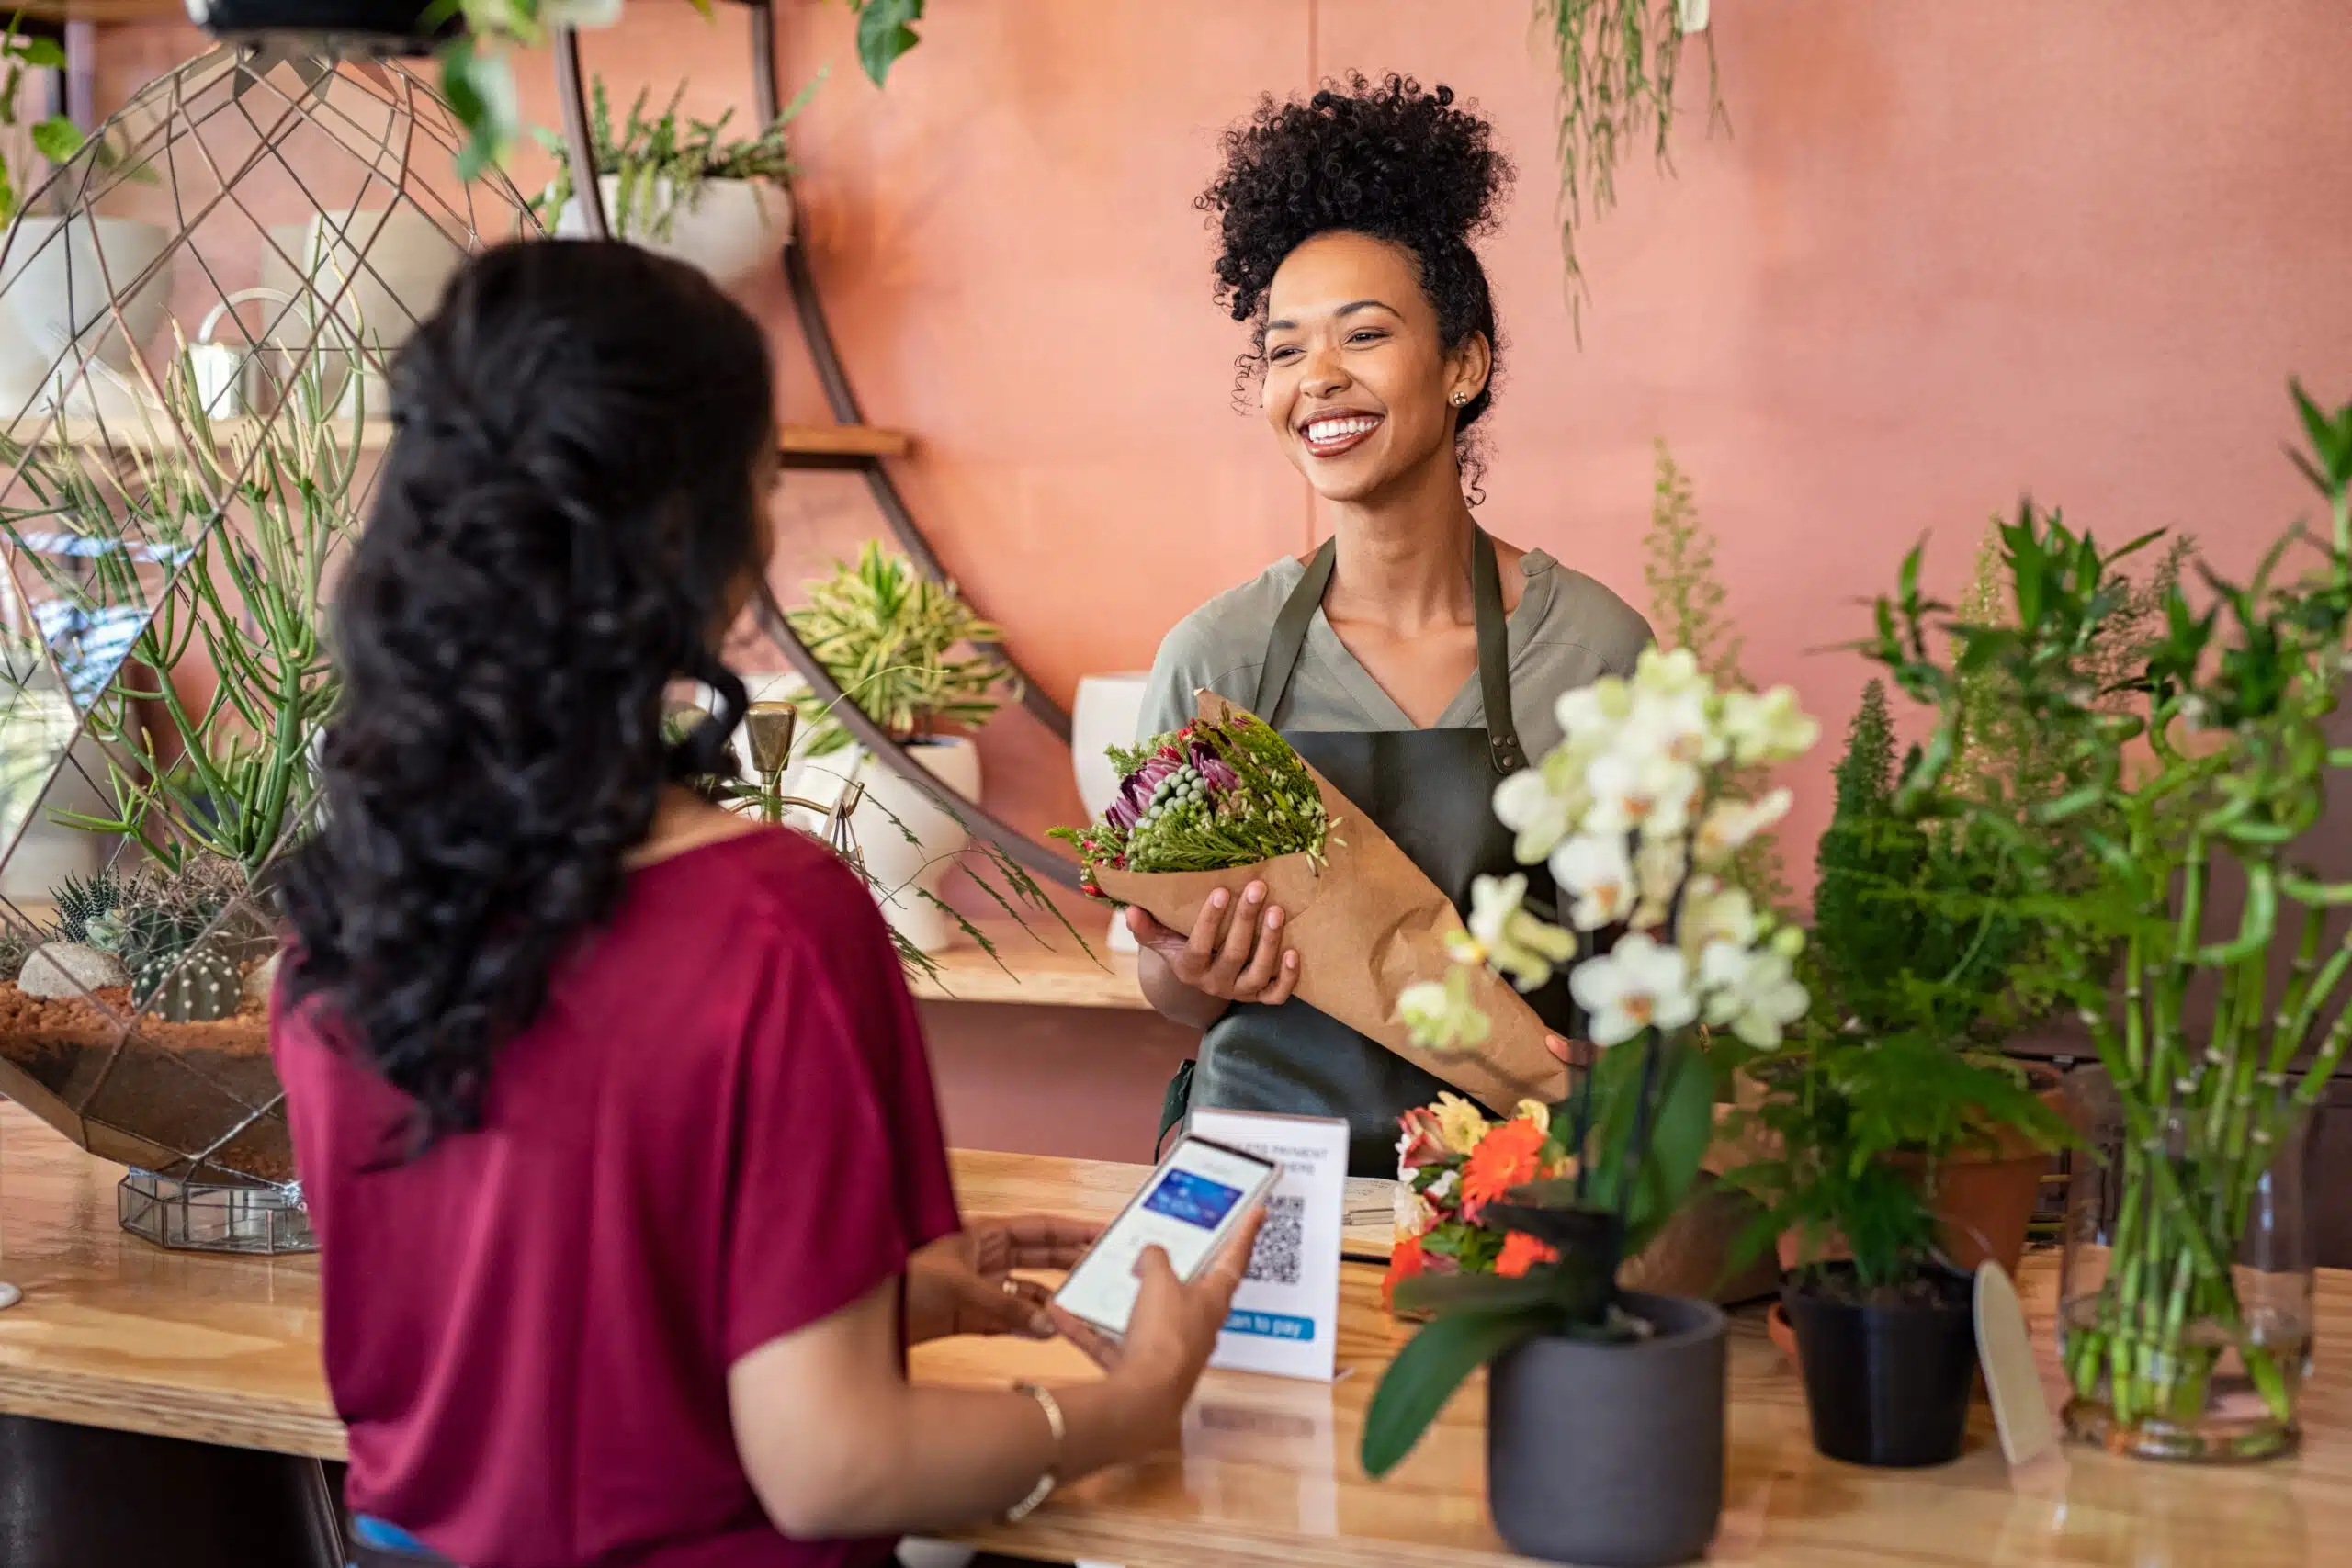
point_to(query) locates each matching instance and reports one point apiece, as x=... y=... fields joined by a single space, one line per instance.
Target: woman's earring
x=1460 y=398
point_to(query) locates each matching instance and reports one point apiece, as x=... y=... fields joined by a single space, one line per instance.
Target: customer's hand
x=1234 y=952
x=1170 y=1334
x=964 y=1284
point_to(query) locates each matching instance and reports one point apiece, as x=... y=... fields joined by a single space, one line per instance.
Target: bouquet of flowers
x=1215 y=794
x=1451 y=1163
x=1225 y=801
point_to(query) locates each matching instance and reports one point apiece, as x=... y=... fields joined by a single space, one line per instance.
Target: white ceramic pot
x=730 y=227
x=1105 y=713
x=909 y=841
x=366 y=275
x=61 y=281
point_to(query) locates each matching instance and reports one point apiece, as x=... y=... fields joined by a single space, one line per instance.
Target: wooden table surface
x=115 y=1334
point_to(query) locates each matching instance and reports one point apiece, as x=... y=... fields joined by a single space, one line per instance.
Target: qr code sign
x=1277 y=1258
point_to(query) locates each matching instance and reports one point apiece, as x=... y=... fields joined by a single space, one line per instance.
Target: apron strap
x=1290 y=631
x=1289 y=636
x=1494 y=655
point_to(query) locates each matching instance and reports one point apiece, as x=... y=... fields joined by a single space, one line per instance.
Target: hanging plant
x=1618 y=61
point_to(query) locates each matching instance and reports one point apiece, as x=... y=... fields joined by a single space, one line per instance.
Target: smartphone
x=1192 y=1202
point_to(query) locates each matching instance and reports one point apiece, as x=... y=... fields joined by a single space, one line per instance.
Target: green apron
x=1433 y=792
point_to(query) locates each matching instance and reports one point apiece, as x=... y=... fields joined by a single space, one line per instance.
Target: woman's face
x=1359 y=389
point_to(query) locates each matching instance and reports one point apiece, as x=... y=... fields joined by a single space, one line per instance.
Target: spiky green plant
x=197 y=985
x=161 y=912
x=888 y=635
x=1687 y=599
x=660 y=163
x=243 y=524
x=81 y=899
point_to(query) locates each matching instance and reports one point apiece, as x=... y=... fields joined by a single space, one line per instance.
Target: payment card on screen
x=1187 y=1209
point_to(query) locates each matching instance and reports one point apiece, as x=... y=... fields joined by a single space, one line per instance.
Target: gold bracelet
x=1054 y=1422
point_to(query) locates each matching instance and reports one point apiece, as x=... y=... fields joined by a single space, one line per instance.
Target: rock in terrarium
x=197 y=317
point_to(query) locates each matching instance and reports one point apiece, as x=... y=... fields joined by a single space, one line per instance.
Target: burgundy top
x=721 y=1129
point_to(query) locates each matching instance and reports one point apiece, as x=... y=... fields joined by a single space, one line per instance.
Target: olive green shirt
x=1568 y=631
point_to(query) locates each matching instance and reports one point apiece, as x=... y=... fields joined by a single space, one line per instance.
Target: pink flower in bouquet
x=1137 y=789
x=1212 y=768
x=1423 y=1142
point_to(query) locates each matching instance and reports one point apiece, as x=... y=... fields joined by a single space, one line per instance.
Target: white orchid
x=1715 y=912
x=1594 y=869
x=1754 y=991
x=1440 y=1015
x=1767 y=728
x=1531 y=806
x=1515 y=941
x=1660 y=867
x=1636 y=985
x=1635 y=793
x=1730 y=826
x=1589 y=715
x=1670 y=717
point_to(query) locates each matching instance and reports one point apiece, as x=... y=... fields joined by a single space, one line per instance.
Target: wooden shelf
x=1034 y=976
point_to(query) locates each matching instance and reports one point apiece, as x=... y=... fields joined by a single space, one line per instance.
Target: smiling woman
x=1413 y=659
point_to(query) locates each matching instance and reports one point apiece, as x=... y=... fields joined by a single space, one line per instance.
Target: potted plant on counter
x=683 y=188
x=912 y=656
x=2186 y=1306
x=1858 y=1127
x=1605 y=1406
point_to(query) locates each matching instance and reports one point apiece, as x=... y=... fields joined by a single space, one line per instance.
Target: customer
x=611 y=1108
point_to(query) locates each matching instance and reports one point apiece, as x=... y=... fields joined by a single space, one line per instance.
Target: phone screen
x=1186 y=1209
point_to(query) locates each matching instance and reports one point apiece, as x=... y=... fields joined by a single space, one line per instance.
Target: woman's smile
x=1328 y=432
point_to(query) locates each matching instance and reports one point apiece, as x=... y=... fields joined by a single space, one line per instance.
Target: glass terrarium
x=196 y=315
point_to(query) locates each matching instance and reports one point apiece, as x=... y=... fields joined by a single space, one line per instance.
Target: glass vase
x=2184 y=1297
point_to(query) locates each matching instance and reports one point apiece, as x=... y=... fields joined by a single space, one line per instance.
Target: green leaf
x=884 y=33
x=58 y=138
x=1425 y=1374
x=1474 y=1294
x=38 y=53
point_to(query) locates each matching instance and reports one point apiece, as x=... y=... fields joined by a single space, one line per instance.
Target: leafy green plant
x=887 y=635
x=79 y=900
x=479 y=83
x=1687 y=599
x=660 y=164
x=2214 y=748
x=1618 y=62
x=1858 y=1128
x=54 y=138
x=243 y=526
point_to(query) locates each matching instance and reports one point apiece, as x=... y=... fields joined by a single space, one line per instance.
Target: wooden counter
x=114 y=1334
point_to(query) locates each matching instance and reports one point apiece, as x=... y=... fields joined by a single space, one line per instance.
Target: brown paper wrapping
x=1366 y=925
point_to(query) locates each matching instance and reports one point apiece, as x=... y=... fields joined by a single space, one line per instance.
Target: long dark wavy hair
x=565 y=519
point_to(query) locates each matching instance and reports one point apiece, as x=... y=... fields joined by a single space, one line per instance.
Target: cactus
x=197 y=985
x=81 y=899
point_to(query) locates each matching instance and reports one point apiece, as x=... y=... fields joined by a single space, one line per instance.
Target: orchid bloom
x=1516 y=943
x=1636 y=985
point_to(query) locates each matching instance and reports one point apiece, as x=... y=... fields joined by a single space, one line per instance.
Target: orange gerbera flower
x=1509 y=1156
x=1523 y=1251
x=1404 y=1260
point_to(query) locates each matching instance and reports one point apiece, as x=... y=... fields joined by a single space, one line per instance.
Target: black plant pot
x=1611 y=1455
x=1886 y=1385
x=387 y=26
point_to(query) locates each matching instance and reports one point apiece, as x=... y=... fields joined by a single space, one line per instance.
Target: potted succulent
x=1605 y=1406
x=682 y=186
x=910 y=653
x=2186 y=1304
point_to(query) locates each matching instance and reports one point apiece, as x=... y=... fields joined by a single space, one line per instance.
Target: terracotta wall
x=1945 y=254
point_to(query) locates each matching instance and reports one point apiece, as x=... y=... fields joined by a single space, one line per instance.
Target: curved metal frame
x=571 y=84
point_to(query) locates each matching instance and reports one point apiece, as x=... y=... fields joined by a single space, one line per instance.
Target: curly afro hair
x=1384 y=159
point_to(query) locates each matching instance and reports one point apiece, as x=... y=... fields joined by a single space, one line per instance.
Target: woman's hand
x=964 y=1283
x=1170 y=1334
x=1234 y=953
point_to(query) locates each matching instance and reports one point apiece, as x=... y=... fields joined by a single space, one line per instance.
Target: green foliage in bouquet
x=887 y=635
x=1687 y=600
x=2214 y=746
x=1206 y=797
x=660 y=163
